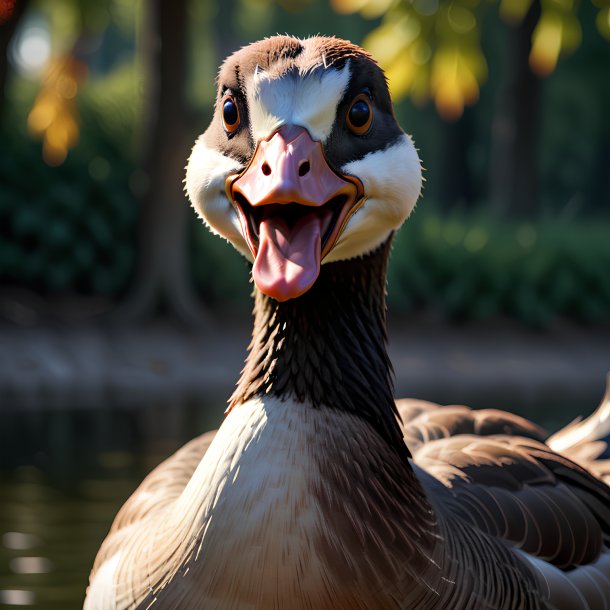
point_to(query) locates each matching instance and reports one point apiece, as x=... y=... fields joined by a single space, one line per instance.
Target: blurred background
x=124 y=322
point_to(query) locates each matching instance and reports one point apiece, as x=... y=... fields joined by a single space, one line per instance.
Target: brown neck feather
x=328 y=347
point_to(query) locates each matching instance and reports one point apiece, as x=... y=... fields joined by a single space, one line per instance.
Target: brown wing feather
x=519 y=490
x=161 y=487
x=492 y=470
x=425 y=421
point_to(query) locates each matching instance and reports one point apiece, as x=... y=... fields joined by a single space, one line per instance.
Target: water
x=50 y=535
x=63 y=477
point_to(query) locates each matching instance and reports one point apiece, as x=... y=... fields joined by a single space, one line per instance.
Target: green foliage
x=462 y=267
x=72 y=229
x=221 y=274
x=473 y=267
x=433 y=50
x=69 y=228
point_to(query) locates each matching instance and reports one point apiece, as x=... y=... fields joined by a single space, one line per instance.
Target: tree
x=432 y=50
x=513 y=187
x=162 y=277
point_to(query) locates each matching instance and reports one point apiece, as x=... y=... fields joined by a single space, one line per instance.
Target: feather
x=319 y=490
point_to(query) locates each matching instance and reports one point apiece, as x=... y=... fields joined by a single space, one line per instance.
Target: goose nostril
x=304 y=168
x=266 y=169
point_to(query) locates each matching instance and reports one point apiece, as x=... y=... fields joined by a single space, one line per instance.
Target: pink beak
x=292 y=206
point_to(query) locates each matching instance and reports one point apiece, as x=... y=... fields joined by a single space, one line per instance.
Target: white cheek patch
x=392 y=182
x=309 y=100
x=206 y=172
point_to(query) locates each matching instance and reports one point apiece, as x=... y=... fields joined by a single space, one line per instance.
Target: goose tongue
x=288 y=259
x=290 y=183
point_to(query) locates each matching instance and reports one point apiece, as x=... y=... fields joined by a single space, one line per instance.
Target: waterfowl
x=319 y=490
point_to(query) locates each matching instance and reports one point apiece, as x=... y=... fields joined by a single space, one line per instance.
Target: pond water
x=63 y=477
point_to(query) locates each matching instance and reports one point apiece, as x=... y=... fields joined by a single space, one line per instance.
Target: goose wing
x=519 y=490
x=493 y=471
x=159 y=489
x=425 y=421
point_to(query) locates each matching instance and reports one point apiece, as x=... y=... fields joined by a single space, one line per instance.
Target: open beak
x=292 y=207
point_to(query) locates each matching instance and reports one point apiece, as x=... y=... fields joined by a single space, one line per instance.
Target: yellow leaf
x=546 y=44
x=420 y=52
x=53 y=116
x=571 y=33
x=456 y=74
x=42 y=114
x=391 y=38
x=558 y=5
x=375 y=8
x=475 y=60
x=603 y=22
x=347 y=6
x=401 y=74
x=461 y=20
x=513 y=11
x=444 y=83
x=449 y=101
x=52 y=154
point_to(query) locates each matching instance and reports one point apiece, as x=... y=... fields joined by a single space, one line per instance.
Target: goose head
x=304 y=163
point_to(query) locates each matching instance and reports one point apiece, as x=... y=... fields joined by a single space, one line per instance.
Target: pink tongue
x=288 y=258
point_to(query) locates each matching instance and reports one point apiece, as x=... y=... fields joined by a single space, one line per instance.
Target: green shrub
x=474 y=267
x=72 y=229
x=69 y=228
x=220 y=273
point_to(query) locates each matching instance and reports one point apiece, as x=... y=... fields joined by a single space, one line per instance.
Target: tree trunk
x=163 y=277
x=456 y=187
x=515 y=130
x=8 y=25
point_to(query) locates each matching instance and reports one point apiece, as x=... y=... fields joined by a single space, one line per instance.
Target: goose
x=319 y=490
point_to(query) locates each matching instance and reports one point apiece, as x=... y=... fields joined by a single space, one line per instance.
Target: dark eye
x=230 y=114
x=360 y=114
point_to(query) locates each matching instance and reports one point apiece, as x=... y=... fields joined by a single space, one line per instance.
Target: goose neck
x=327 y=348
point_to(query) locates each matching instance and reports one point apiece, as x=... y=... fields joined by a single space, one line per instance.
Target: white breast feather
x=101 y=594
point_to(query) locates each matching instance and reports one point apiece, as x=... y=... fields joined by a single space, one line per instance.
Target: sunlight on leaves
x=54 y=114
x=546 y=44
x=603 y=22
x=557 y=31
x=431 y=49
x=371 y=9
x=400 y=50
x=461 y=20
x=345 y=7
x=376 y=8
x=391 y=40
x=456 y=74
x=514 y=11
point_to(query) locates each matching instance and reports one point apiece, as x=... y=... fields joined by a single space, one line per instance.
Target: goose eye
x=230 y=114
x=360 y=115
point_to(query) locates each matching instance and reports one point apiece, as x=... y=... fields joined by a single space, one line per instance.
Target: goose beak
x=292 y=208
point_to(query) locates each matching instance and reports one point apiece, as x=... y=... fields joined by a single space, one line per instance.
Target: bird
x=320 y=490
